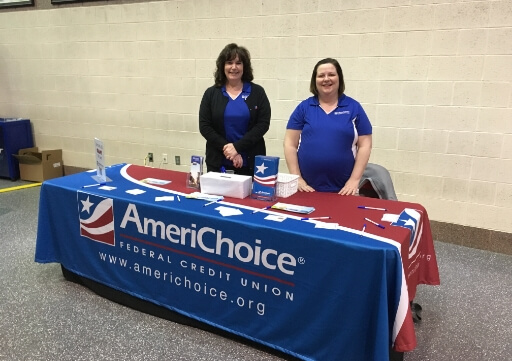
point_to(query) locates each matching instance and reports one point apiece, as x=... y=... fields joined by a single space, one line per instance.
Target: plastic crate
x=15 y=134
x=286 y=184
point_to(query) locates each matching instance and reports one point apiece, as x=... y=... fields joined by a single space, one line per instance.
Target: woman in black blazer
x=234 y=114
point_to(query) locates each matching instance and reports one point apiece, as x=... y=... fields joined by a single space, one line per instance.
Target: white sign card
x=101 y=176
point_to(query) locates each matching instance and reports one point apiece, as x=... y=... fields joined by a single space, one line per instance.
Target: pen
x=378 y=225
x=207 y=204
x=376 y=209
x=94 y=185
x=262 y=209
x=362 y=231
x=305 y=219
x=179 y=200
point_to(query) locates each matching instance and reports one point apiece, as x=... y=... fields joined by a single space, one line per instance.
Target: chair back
x=377 y=183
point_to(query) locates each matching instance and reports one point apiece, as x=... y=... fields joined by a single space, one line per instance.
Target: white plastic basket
x=286 y=184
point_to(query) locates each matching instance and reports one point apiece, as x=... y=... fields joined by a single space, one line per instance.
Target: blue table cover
x=317 y=294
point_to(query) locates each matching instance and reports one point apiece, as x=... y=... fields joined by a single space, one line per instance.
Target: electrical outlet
x=164 y=158
x=177 y=159
x=150 y=157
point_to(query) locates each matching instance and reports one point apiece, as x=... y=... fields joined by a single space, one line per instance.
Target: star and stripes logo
x=96 y=218
x=410 y=219
x=266 y=181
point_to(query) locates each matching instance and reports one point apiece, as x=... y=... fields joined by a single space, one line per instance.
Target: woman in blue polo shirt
x=328 y=138
x=234 y=114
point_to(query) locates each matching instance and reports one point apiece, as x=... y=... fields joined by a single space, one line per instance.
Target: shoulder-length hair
x=230 y=52
x=312 y=86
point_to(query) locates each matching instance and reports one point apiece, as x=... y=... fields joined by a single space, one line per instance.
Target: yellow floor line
x=19 y=187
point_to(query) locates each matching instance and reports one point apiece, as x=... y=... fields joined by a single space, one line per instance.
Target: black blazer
x=211 y=125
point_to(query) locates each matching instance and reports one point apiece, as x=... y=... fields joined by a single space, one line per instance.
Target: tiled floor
x=44 y=317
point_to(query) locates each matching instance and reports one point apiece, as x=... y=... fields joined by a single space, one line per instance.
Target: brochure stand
x=265 y=178
x=100 y=176
x=196 y=170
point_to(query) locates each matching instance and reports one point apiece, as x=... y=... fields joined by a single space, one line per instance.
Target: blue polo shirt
x=236 y=118
x=327 y=146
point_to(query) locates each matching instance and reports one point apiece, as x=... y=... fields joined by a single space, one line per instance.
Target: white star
x=87 y=205
x=261 y=168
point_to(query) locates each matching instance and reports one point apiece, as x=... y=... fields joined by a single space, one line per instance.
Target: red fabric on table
x=344 y=211
x=419 y=268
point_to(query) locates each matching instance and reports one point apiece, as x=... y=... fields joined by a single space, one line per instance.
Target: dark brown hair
x=230 y=52
x=312 y=85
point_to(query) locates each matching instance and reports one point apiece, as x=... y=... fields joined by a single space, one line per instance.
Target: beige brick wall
x=434 y=76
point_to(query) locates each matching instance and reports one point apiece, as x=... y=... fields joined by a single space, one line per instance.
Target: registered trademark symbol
x=301 y=260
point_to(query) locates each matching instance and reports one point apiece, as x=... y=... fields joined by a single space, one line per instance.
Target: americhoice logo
x=211 y=241
x=410 y=219
x=96 y=218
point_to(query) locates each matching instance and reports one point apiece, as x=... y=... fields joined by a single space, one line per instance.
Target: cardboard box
x=225 y=184
x=39 y=166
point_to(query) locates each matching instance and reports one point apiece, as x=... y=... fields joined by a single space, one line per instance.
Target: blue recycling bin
x=15 y=134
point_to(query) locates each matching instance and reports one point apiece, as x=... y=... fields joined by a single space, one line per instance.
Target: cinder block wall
x=433 y=75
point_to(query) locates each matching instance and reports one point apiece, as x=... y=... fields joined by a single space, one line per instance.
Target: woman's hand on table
x=303 y=186
x=351 y=188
